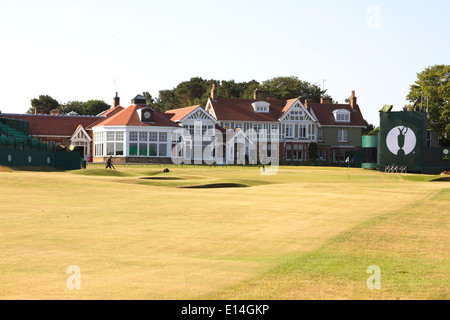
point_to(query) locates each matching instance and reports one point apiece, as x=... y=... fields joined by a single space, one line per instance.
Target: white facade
x=133 y=141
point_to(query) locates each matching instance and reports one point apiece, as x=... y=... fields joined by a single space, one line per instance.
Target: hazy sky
x=81 y=50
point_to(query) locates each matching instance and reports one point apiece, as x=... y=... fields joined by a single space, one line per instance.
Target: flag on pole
x=418 y=101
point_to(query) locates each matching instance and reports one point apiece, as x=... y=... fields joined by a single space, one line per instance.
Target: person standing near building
x=109 y=163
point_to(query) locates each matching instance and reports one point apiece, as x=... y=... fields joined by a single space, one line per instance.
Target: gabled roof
x=286 y=108
x=129 y=117
x=180 y=114
x=53 y=125
x=242 y=110
x=291 y=103
x=324 y=114
x=80 y=129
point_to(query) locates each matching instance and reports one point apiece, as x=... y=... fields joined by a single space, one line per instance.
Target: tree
x=374 y=132
x=291 y=87
x=196 y=91
x=88 y=108
x=72 y=106
x=167 y=100
x=191 y=92
x=44 y=104
x=148 y=96
x=433 y=84
x=232 y=89
x=248 y=89
x=369 y=128
x=94 y=107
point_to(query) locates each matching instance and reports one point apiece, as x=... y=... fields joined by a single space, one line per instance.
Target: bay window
x=148 y=144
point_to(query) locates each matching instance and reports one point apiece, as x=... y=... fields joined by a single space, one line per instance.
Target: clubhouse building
x=234 y=127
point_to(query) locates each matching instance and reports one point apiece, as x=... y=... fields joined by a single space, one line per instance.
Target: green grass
x=304 y=233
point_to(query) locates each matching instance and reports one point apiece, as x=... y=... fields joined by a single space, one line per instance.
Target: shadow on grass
x=161 y=178
x=102 y=172
x=441 y=179
x=217 y=186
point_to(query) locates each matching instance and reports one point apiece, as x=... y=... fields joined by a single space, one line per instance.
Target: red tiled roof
x=130 y=117
x=242 y=110
x=111 y=111
x=288 y=105
x=324 y=113
x=106 y=114
x=179 y=114
x=53 y=125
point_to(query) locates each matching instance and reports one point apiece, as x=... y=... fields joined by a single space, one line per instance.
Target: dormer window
x=261 y=106
x=342 y=115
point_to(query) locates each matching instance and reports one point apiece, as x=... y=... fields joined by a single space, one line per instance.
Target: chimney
x=326 y=101
x=55 y=112
x=308 y=101
x=214 y=92
x=352 y=100
x=304 y=103
x=116 y=101
x=39 y=110
x=260 y=95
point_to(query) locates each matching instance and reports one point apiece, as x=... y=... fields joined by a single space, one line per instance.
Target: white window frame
x=303 y=131
x=342 y=135
x=289 y=131
x=111 y=138
x=320 y=135
x=99 y=142
x=150 y=140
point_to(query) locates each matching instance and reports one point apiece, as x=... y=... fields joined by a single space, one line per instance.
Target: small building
x=136 y=134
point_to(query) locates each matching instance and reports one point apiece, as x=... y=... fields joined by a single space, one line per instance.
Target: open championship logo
x=401 y=140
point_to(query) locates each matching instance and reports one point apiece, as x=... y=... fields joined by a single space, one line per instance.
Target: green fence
x=17 y=158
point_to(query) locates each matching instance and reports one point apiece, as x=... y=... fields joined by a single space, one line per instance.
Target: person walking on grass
x=109 y=163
